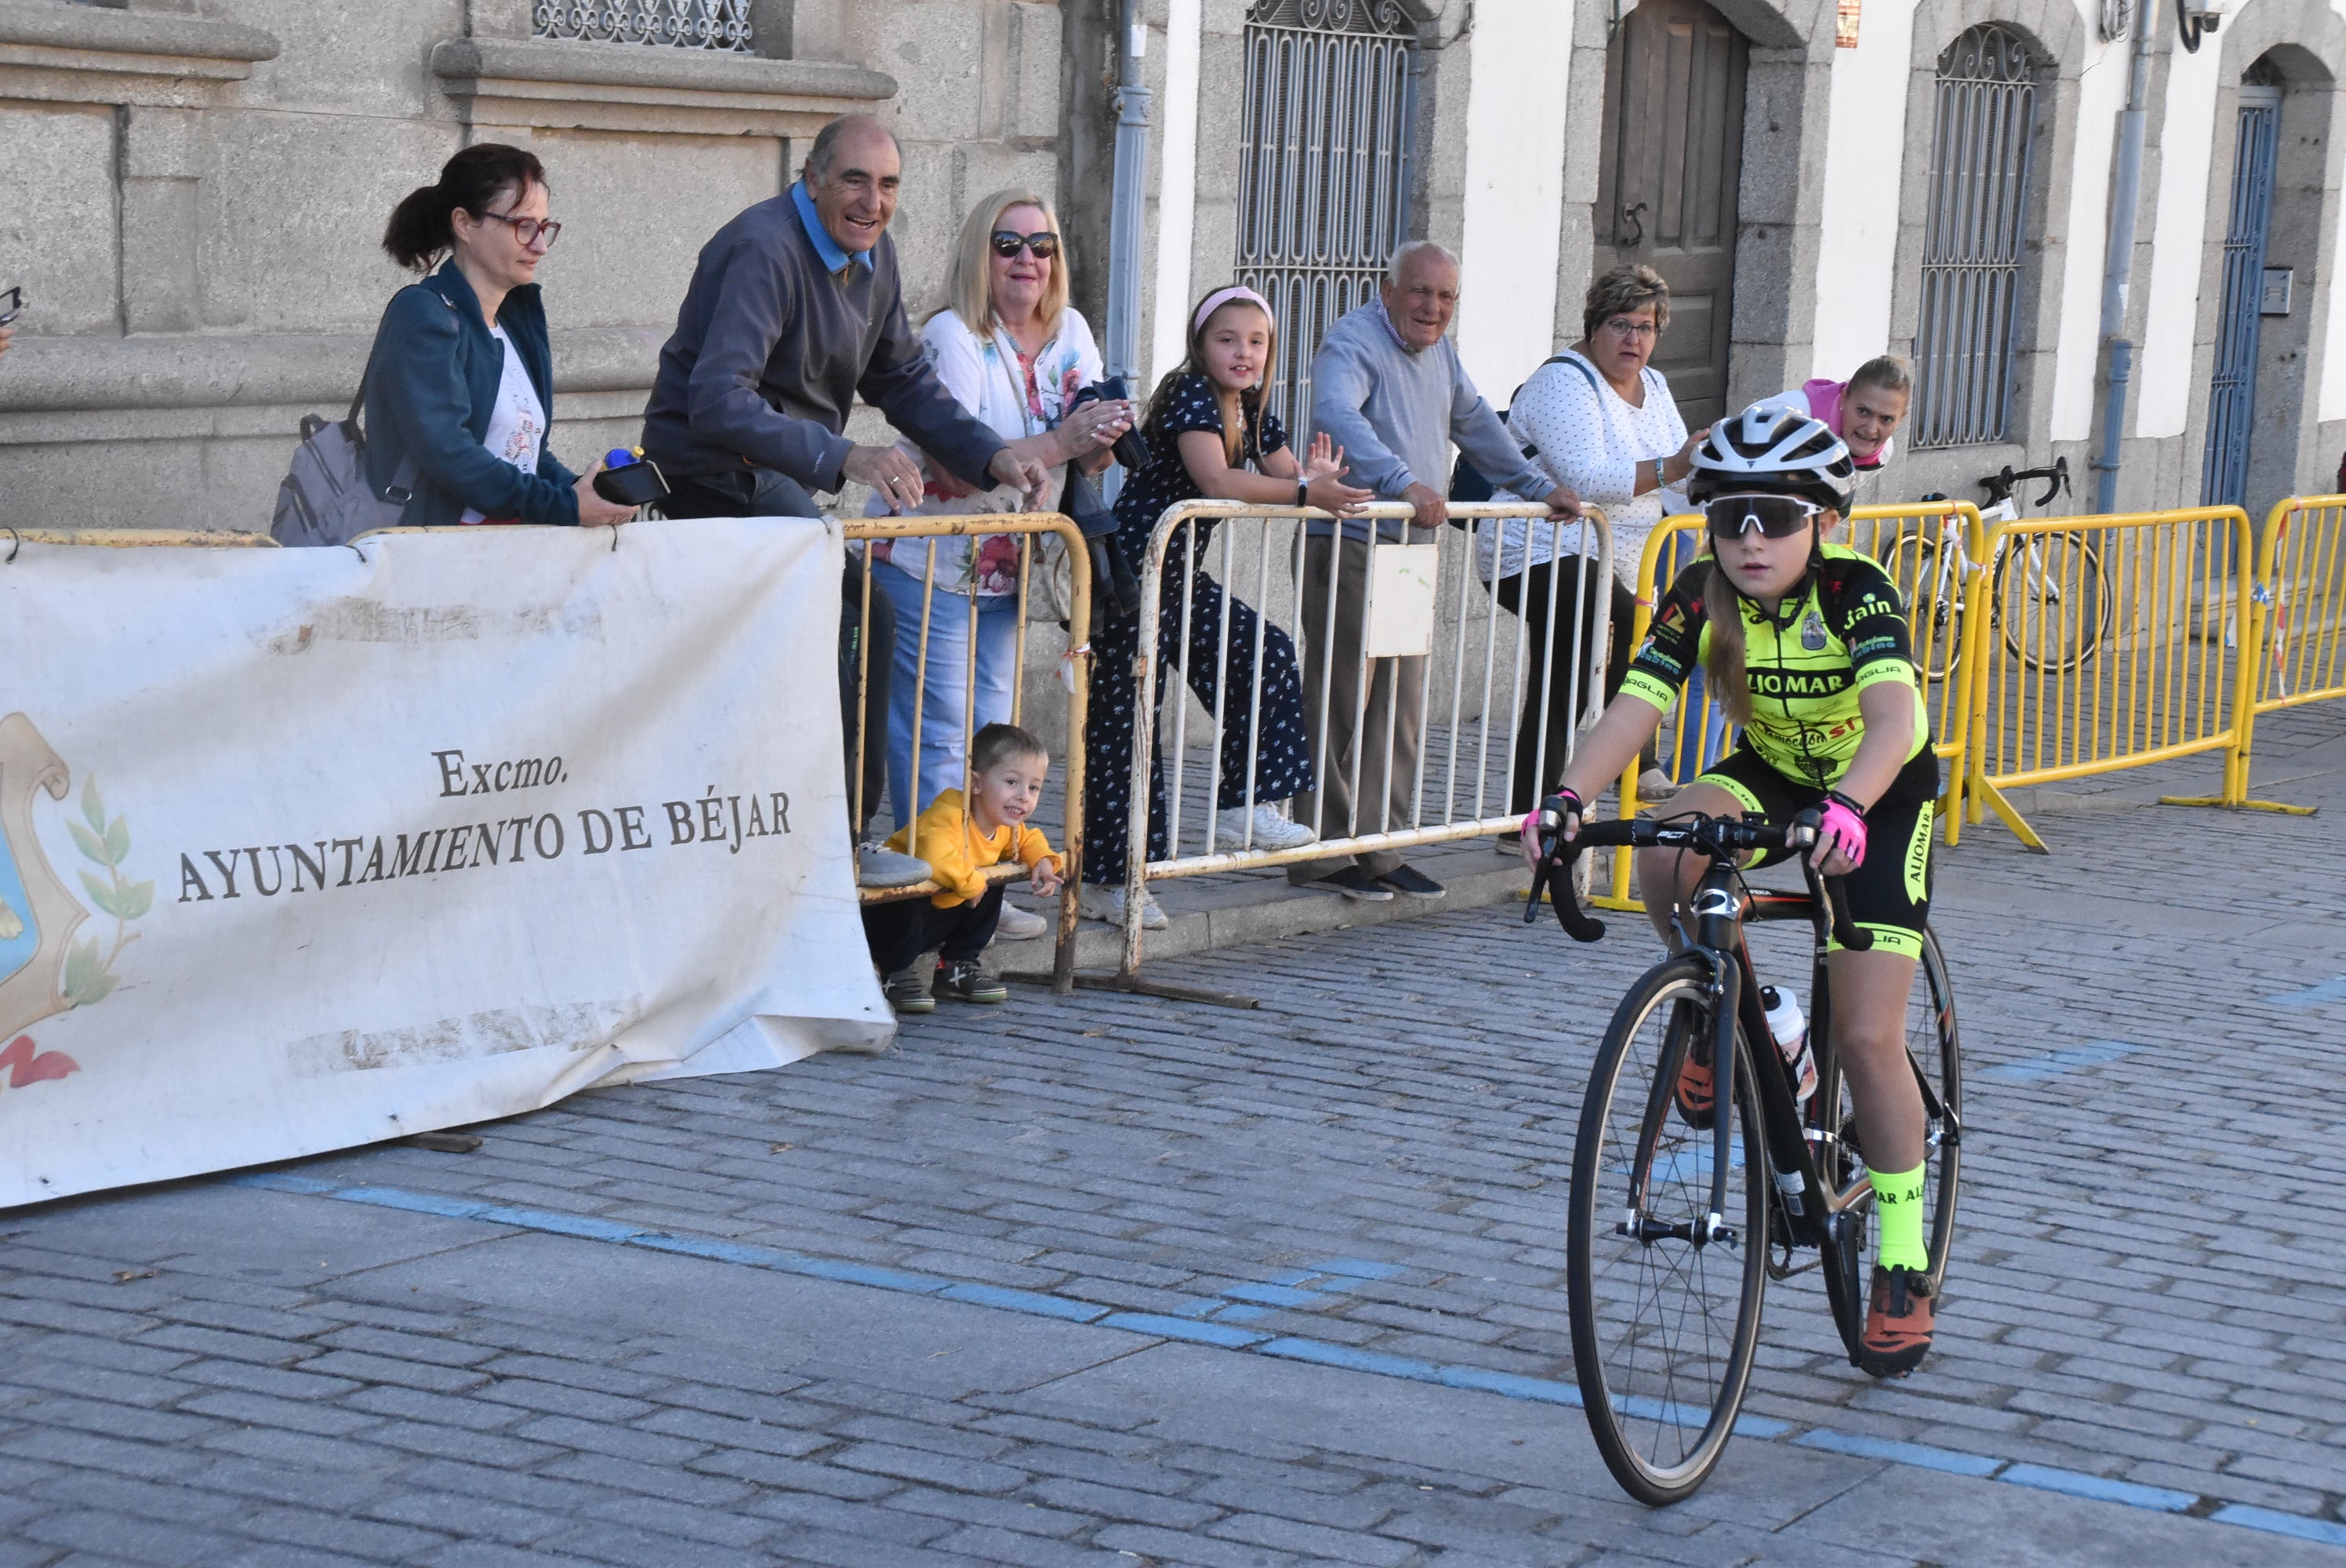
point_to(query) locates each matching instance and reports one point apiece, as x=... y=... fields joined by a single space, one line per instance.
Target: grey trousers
x=1356 y=794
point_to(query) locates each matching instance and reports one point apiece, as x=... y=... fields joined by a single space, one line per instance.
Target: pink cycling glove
x=1841 y=827
x=1574 y=808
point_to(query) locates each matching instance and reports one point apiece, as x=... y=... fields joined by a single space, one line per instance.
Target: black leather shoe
x=1412 y=882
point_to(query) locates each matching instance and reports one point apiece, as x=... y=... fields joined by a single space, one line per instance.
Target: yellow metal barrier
x=124 y=538
x=1935 y=552
x=2297 y=626
x=2118 y=641
x=1027 y=527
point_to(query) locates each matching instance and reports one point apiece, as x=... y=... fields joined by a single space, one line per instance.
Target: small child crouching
x=959 y=841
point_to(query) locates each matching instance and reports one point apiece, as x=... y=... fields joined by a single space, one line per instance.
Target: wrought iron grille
x=1975 y=238
x=1323 y=169
x=720 y=25
x=2233 y=390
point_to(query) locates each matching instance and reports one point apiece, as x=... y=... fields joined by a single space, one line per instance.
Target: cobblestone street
x=1120 y=1281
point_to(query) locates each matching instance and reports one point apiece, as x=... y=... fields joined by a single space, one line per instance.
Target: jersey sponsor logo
x=1799 y=683
x=1918 y=855
x=1868 y=648
x=1812 y=633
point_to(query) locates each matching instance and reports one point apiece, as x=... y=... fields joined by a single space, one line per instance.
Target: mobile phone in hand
x=12 y=305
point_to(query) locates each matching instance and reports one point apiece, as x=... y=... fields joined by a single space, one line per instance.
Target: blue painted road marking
x=2037 y=1068
x=1342 y=1274
x=2319 y=995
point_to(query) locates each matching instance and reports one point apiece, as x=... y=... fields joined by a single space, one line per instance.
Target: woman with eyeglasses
x=1011 y=348
x=459 y=385
x=1601 y=420
x=1805 y=644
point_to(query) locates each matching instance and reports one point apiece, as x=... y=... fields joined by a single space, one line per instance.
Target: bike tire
x=1662 y=1342
x=2075 y=633
x=1934 y=1045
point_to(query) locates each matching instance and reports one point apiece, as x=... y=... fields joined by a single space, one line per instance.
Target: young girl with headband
x=1209 y=437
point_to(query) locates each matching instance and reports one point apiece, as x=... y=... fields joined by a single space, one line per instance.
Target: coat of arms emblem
x=44 y=970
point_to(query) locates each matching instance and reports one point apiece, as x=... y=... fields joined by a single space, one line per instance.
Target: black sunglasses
x=1776 y=517
x=1044 y=245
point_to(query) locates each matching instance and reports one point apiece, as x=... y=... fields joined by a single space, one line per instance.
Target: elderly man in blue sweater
x=796 y=311
x=1388 y=388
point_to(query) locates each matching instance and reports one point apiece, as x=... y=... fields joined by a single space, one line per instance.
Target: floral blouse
x=1013 y=396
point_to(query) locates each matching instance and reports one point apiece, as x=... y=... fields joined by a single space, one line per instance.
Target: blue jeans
x=943 y=685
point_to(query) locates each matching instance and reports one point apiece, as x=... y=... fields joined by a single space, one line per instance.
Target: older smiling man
x=1387 y=387
x=795 y=309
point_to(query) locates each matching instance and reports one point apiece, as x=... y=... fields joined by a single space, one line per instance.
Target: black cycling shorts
x=1889 y=891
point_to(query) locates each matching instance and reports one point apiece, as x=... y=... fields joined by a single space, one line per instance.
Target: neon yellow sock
x=1898 y=1200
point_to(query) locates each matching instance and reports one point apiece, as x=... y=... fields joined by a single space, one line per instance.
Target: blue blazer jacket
x=434 y=386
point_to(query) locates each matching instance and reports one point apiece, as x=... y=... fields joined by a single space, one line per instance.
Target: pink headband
x=1221 y=297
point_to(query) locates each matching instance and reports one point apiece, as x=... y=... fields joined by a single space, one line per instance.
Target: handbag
x=324 y=497
x=1466 y=481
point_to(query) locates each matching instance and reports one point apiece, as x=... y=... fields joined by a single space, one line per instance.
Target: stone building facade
x=195 y=190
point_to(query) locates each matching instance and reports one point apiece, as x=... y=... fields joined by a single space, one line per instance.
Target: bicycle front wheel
x=1932 y=589
x=1664 y=1321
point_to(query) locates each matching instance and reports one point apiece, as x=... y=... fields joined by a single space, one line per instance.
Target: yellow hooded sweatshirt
x=958 y=854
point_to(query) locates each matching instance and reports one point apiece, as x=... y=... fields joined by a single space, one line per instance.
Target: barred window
x=1323 y=169
x=1973 y=239
x=718 y=25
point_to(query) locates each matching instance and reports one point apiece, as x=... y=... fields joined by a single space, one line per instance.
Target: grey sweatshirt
x=770 y=350
x=1395 y=412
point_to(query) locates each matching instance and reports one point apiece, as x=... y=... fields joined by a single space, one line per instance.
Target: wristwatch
x=1303 y=492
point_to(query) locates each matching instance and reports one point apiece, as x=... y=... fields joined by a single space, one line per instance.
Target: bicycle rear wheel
x=1936 y=1051
x=2056 y=601
x=1663 y=1328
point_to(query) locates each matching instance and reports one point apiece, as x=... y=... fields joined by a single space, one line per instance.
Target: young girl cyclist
x=1805 y=645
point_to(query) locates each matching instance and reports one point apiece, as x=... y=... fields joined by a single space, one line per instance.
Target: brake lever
x=1846 y=933
x=1552 y=869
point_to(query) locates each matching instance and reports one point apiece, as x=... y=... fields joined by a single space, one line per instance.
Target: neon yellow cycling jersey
x=1826 y=642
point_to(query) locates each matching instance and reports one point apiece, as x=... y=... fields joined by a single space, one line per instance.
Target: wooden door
x=1673 y=157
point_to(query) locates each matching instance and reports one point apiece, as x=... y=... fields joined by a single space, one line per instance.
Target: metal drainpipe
x=1129 y=198
x=2120 y=263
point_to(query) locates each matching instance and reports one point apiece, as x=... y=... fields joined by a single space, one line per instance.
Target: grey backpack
x=325 y=498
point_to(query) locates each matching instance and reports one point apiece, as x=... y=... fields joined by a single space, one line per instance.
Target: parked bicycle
x=1675 y=1229
x=2049 y=594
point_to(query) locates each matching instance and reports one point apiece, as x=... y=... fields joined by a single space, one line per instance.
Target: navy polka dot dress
x=1273 y=743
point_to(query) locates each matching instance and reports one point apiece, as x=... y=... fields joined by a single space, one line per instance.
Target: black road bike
x=1676 y=1229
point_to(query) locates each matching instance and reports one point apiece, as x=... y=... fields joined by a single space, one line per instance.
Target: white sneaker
x=1106 y=904
x=1272 y=830
x=1018 y=925
x=1654 y=784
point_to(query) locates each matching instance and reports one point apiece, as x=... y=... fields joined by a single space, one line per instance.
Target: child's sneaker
x=908 y=991
x=963 y=980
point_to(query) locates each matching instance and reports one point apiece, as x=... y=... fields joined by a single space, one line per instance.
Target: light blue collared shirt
x=833 y=258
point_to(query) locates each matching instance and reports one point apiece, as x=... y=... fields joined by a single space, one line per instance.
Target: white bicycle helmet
x=1774 y=448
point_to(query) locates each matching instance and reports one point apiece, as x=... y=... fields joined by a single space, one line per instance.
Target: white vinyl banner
x=305 y=849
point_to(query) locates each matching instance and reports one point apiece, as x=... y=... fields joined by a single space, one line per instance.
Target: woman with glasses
x=1011 y=348
x=460 y=386
x=1805 y=644
x=1600 y=419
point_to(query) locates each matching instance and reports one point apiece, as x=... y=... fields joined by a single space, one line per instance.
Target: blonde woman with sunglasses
x=1013 y=353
